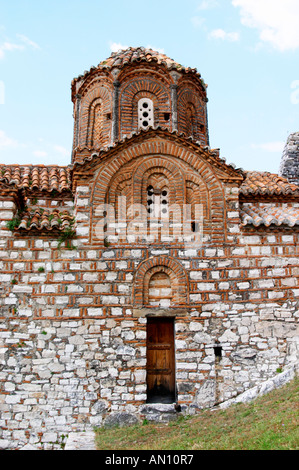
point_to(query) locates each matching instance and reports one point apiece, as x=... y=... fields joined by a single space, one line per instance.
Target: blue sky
x=246 y=51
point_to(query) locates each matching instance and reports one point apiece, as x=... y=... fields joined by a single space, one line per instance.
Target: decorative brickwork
x=136 y=87
x=160 y=264
x=192 y=113
x=132 y=168
x=95 y=116
x=147 y=277
x=106 y=99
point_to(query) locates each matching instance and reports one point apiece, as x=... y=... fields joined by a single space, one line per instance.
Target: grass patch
x=268 y=423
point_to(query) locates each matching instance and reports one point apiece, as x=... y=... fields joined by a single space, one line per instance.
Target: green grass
x=268 y=423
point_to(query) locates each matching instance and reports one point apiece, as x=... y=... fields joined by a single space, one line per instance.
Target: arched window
x=145 y=113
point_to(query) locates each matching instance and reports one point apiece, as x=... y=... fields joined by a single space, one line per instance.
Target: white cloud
x=270 y=146
x=117 y=46
x=28 y=41
x=9 y=46
x=6 y=141
x=221 y=34
x=276 y=20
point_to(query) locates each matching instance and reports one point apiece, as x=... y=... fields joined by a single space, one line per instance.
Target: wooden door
x=160 y=360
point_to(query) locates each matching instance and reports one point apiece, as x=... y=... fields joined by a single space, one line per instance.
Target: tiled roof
x=269 y=214
x=139 y=54
x=124 y=57
x=265 y=183
x=36 y=178
x=87 y=157
x=49 y=179
x=45 y=220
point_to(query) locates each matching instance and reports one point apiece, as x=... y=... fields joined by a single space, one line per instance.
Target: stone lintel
x=158 y=312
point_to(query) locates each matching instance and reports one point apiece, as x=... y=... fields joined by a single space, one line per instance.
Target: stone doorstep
x=160 y=412
x=158 y=408
x=81 y=441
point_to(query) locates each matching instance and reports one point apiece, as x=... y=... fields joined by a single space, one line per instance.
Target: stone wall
x=73 y=345
x=289 y=166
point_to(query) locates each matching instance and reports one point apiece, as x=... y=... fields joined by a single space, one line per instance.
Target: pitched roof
x=33 y=178
x=269 y=214
x=259 y=183
x=89 y=158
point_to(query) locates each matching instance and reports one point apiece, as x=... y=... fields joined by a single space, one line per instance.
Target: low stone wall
x=268 y=386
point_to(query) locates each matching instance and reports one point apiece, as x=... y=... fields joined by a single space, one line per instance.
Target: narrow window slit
x=218 y=352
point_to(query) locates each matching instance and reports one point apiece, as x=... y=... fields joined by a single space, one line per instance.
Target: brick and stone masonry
x=104 y=323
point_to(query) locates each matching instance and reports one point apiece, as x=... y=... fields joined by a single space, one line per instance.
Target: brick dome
x=137 y=88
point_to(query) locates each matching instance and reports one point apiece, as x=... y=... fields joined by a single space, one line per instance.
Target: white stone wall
x=73 y=352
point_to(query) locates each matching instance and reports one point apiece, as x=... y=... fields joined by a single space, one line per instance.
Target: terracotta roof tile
x=269 y=214
x=139 y=54
x=44 y=220
x=124 y=57
x=265 y=183
x=36 y=178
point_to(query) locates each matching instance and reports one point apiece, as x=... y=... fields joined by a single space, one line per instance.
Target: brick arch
x=151 y=266
x=132 y=180
x=116 y=182
x=142 y=87
x=197 y=193
x=165 y=166
x=120 y=186
x=147 y=152
x=191 y=108
x=97 y=95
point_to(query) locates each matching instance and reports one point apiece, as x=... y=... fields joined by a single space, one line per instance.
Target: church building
x=148 y=278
